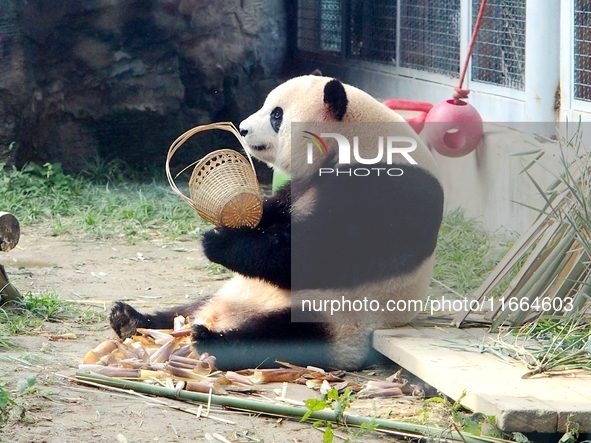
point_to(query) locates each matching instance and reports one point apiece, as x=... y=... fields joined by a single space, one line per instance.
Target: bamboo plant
x=551 y=258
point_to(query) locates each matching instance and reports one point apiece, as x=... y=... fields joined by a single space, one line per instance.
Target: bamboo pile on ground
x=168 y=357
x=164 y=363
x=550 y=261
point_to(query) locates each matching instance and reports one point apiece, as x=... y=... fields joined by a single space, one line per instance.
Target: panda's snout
x=246 y=129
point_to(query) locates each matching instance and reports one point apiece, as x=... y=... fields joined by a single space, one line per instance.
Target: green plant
x=440 y=412
x=338 y=403
x=27 y=386
x=572 y=432
x=103 y=171
x=51 y=202
x=6 y=404
x=36 y=192
x=26 y=315
x=6 y=342
x=10 y=400
x=466 y=253
x=550 y=346
x=552 y=256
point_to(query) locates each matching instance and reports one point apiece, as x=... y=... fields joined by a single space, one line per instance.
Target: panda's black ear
x=316 y=72
x=335 y=98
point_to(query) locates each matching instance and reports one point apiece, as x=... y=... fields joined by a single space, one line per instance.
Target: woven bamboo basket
x=223 y=187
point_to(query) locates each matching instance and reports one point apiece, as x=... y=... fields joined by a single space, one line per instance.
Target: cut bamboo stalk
x=538 y=289
x=286 y=410
x=569 y=280
x=534 y=279
x=519 y=280
x=521 y=246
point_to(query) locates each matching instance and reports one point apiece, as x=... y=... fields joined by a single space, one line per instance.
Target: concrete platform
x=491 y=385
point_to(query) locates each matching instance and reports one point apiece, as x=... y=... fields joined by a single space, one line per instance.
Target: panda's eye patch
x=276 y=118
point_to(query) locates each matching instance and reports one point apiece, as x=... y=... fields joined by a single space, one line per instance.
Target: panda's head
x=309 y=98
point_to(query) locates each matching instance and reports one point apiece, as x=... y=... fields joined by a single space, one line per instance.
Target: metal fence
x=372 y=27
x=430 y=35
x=582 y=50
x=499 y=53
x=425 y=36
x=320 y=25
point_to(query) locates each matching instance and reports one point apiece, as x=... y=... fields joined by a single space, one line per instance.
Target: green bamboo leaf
x=518 y=437
x=313 y=405
x=540 y=190
x=328 y=434
x=527 y=152
x=532 y=162
x=533 y=208
x=333 y=394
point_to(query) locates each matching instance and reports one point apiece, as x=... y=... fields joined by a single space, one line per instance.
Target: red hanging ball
x=453 y=128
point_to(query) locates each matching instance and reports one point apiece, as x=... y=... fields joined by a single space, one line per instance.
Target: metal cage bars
x=418 y=34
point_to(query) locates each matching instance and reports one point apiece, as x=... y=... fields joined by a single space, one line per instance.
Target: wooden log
x=10 y=231
x=7 y=291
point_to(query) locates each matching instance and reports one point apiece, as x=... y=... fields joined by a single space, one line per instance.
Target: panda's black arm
x=263 y=252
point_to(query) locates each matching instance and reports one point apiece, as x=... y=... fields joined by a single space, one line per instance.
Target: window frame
x=395 y=69
x=571 y=108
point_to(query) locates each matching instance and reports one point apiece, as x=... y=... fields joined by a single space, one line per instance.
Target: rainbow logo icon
x=318 y=142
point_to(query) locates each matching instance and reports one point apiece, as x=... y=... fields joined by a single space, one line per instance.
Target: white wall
x=489 y=183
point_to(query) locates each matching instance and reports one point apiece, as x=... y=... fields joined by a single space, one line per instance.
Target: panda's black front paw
x=125 y=320
x=218 y=243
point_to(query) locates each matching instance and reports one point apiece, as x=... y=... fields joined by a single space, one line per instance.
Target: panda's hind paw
x=125 y=320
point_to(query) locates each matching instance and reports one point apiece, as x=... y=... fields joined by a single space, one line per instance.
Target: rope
x=463 y=93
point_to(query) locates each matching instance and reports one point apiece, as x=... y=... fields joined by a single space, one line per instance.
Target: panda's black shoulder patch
x=366 y=228
x=336 y=98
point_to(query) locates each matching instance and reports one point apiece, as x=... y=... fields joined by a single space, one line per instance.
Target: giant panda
x=380 y=232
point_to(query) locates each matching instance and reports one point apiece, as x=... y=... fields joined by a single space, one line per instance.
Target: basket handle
x=225 y=126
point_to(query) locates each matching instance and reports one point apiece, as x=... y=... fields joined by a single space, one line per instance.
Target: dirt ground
x=148 y=275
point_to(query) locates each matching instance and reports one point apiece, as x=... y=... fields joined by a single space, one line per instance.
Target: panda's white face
x=267 y=132
x=261 y=133
x=316 y=99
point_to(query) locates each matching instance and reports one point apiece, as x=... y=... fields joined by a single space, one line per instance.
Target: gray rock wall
x=124 y=78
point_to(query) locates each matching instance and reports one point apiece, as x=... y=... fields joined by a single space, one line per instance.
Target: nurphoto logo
x=388 y=146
